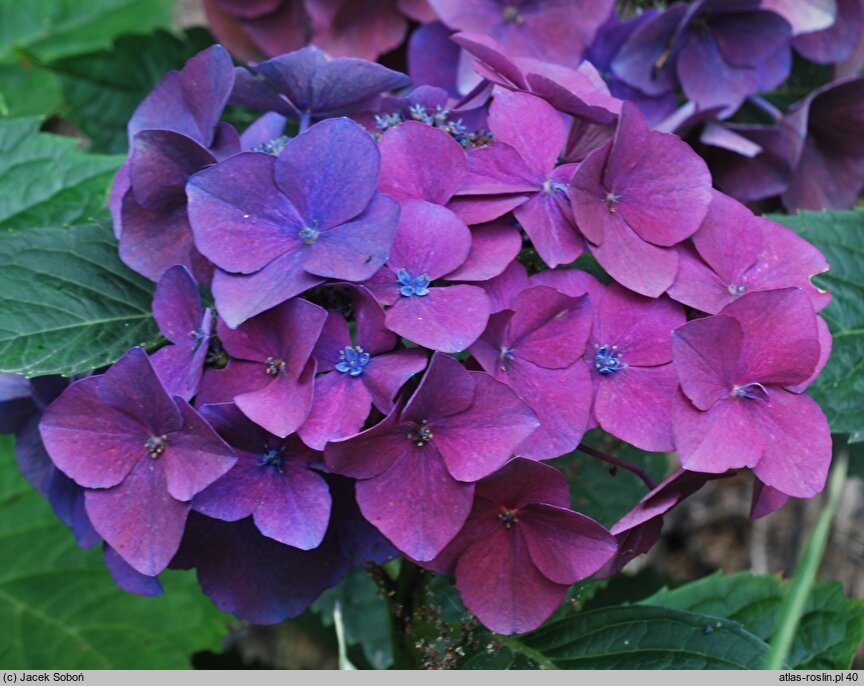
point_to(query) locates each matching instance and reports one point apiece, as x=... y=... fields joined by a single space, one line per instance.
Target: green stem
x=518 y=647
x=808 y=566
x=401 y=609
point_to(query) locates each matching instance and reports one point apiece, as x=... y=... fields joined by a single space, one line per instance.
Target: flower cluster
x=391 y=353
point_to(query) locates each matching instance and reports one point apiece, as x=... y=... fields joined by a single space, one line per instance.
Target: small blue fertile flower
x=419 y=285
x=352 y=360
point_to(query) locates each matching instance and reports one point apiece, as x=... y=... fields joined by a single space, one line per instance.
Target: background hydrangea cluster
x=391 y=298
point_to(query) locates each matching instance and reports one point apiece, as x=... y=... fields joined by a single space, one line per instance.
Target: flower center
x=422 y=434
x=275 y=365
x=611 y=201
x=508 y=517
x=607 y=359
x=156 y=445
x=198 y=337
x=511 y=13
x=550 y=186
x=736 y=290
x=272 y=458
x=272 y=147
x=352 y=361
x=753 y=391
x=308 y=235
x=415 y=286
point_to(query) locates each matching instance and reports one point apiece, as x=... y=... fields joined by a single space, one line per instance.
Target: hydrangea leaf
x=640 y=637
x=604 y=493
x=67 y=303
x=50 y=29
x=832 y=626
x=103 y=88
x=840 y=236
x=365 y=616
x=27 y=91
x=60 y=609
x=46 y=180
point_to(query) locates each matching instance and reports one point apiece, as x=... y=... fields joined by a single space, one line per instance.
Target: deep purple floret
x=521 y=547
x=417 y=466
x=140 y=454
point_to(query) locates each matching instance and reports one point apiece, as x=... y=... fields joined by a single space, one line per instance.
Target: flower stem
x=808 y=566
x=611 y=459
x=518 y=647
x=401 y=610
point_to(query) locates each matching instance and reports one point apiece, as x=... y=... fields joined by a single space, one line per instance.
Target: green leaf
x=604 y=493
x=27 y=91
x=840 y=387
x=365 y=616
x=831 y=628
x=641 y=637
x=46 y=180
x=67 y=303
x=47 y=30
x=59 y=608
x=104 y=88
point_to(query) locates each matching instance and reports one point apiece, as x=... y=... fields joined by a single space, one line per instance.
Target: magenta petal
x=329 y=172
x=798 y=450
x=430 y=240
x=561 y=399
x=503 y=289
x=499 y=168
x=447 y=319
x=482 y=209
x=493 y=247
x=538 y=142
x=706 y=353
x=550 y=229
x=781 y=337
x=195 y=456
x=420 y=162
x=826 y=343
x=340 y=405
x=416 y=503
x=635 y=405
x=500 y=584
x=297 y=509
x=139 y=519
x=697 y=285
x=447 y=388
x=765 y=500
x=521 y=482
x=332 y=342
x=475 y=443
x=386 y=374
x=239 y=297
x=282 y=405
x=566 y=546
x=640 y=327
x=638 y=265
x=241 y=220
x=371 y=452
x=730 y=238
x=372 y=333
x=177 y=305
x=235 y=496
x=356 y=249
x=77 y=418
x=160 y=164
x=724 y=437
x=155 y=239
x=180 y=368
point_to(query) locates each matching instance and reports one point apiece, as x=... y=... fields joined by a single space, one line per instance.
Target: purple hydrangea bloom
x=278 y=226
x=735 y=252
x=127 y=577
x=307 y=85
x=355 y=375
x=418 y=465
x=738 y=405
x=825 y=31
x=529 y=136
x=536 y=349
x=555 y=31
x=721 y=51
x=187 y=325
x=271 y=372
x=521 y=547
x=274 y=481
x=629 y=354
x=141 y=454
x=635 y=197
x=174 y=133
x=430 y=243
